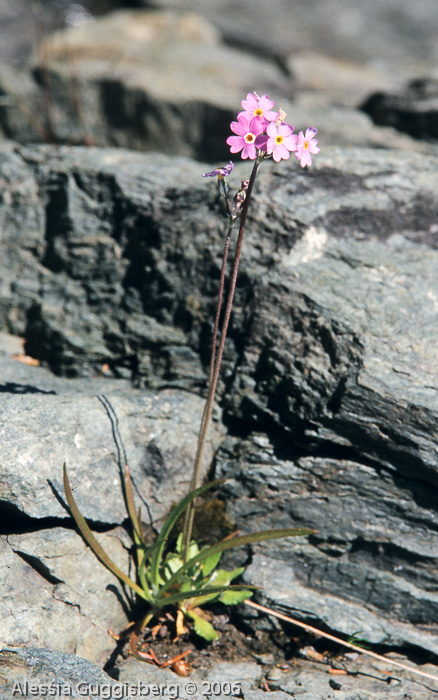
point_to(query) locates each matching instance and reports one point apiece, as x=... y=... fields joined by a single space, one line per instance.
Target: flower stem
x=216 y=357
x=219 y=303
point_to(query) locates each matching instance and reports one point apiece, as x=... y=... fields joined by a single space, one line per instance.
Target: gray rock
x=177 y=88
x=388 y=35
x=54 y=591
x=56 y=594
x=321 y=108
x=45 y=430
x=368 y=682
x=306 y=680
x=23 y=672
x=242 y=677
x=155 y=81
x=344 y=82
x=376 y=554
x=412 y=110
x=330 y=368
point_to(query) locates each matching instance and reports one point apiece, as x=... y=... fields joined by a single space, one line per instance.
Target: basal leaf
x=203 y=627
x=168 y=525
x=162 y=601
x=230 y=597
x=94 y=544
x=137 y=533
x=251 y=538
x=211 y=563
x=221 y=577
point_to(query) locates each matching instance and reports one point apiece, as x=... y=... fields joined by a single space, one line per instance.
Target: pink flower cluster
x=259 y=129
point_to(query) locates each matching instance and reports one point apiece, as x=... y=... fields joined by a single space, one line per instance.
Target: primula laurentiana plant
x=185 y=578
x=261 y=134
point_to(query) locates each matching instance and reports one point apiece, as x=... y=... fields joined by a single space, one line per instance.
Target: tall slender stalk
x=216 y=356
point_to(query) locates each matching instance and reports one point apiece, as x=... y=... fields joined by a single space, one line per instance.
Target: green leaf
x=357 y=641
x=173 y=562
x=210 y=564
x=142 y=569
x=94 y=544
x=161 y=602
x=167 y=527
x=137 y=532
x=202 y=627
x=186 y=586
x=221 y=577
x=251 y=538
x=230 y=597
x=202 y=600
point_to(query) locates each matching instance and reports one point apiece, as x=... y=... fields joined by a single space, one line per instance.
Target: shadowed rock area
x=413 y=110
x=327 y=406
x=329 y=387
x=170 y=80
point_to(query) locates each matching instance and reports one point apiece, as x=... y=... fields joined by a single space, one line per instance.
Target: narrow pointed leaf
x=234 y=597
x=237 y=572
x=140 y=524
x=142 y=566
x=202 y=600
x=93 y=543
x=211 y=563
x=222 y=577
x=196 y=593
x=134 y=518
x=168 y=525
x=251 y=538
x=141 y=571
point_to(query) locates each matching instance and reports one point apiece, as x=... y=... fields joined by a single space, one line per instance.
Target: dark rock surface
x=329 y=384
x=150 y=81
x=156 y=433
x=167 y=81
x=413 y=110
x=394 y=35
x=109 y=270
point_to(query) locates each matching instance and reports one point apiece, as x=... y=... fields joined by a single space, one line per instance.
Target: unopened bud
x=238 y=199
x=281 y=116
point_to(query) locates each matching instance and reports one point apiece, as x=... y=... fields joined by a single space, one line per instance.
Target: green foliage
x=358 y=641
x=163 y=577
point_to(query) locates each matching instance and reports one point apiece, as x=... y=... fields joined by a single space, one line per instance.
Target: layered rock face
x=328 y=386
x=110 y=261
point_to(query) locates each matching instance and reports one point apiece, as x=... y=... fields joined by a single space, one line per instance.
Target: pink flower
x=256 y=106
x=248 y=136
x=306 y=145
x=280 y=140
x=220 y=172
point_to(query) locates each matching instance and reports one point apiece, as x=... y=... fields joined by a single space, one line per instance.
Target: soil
x=237 y=642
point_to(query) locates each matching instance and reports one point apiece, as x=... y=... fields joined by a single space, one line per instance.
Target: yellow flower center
x=249 y=137
x=306 y=145
x=258 y=112
x=279 y=139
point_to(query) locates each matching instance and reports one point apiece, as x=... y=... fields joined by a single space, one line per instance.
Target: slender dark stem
x=220 y=298
x=216 y=328
x=219 y=302
x=217 y=360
